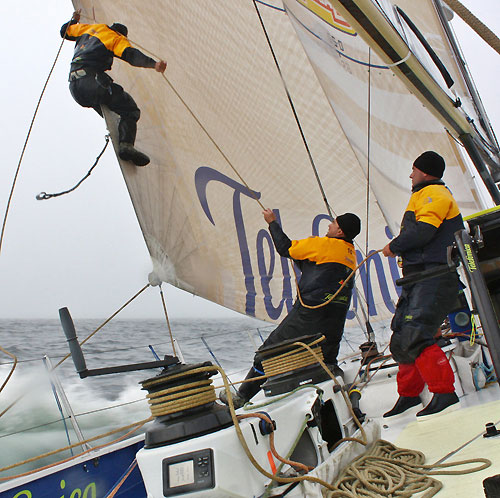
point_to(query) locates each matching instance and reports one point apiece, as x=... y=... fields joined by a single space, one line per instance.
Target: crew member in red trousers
x=429 y=223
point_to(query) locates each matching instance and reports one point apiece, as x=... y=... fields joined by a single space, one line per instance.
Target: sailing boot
x=440 y=403
x=238 y=401
x=403 y=404
x=246 y=391
x=128 y=152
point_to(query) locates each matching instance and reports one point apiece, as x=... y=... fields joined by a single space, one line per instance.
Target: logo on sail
x=323 y=9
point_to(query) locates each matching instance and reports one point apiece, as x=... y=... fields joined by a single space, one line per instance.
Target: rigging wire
x=368 y=167
x=104 y=323
x=14 y=182
x=168 y=321
x=133 y=428
x=59 y=406
x=292 y=106
x=81 y=344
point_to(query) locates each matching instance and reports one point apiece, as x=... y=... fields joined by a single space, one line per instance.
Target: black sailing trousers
x=328 y=320
x=420 y=311
x=94 y=90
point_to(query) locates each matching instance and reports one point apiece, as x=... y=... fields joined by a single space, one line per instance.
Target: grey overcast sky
x=85 y=250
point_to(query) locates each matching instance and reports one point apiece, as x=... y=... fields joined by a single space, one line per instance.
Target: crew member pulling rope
x=325 y=262
x=91 y=86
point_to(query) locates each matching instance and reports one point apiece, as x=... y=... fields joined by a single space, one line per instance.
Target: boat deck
x=454 y=436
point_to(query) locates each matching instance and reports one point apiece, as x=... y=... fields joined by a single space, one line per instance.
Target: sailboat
x=313 y=108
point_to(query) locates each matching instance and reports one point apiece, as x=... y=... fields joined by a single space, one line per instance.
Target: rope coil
x=385 y=470
x=166 y=399
x=290 y=361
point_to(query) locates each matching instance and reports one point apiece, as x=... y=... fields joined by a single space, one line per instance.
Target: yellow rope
x=81 y=344
x=339 y=289
x=136 y=426
x=177 y=388
x=481 y=29
x=385 y=470
x=299 y=359
x=11 y=370
x=122 y=480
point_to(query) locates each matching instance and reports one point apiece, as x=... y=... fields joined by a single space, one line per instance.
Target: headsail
x=223 y=116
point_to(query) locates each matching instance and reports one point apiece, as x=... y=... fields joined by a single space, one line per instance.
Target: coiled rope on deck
x=385 y=470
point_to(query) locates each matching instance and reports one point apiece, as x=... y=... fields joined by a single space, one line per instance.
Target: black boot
x=438 y=404
x=246 y=391
x=402 y=404
x=128 y=152
x=238 y=401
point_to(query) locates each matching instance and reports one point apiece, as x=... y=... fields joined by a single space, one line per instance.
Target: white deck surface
x=454 y=436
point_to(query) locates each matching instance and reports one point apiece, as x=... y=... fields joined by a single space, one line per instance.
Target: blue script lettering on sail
x=266 y=255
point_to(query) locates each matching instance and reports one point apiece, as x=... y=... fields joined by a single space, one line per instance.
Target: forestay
x=203 y=228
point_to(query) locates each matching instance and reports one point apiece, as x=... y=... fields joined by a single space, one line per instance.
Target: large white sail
x=223 y=119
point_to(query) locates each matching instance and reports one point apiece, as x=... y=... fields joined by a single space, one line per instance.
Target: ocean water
x=34 y=423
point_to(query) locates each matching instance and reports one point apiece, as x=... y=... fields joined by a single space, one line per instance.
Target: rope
x=81 y=344
x=119 y=484
x=44 y=196
x=168 y=321
x=252 y=192
x=102 y=325
x=339 y=289
x=14 y=182
x=296 y=465
x=11 y=370
x=135 y=427
x=290 y=360
x=385 y=470
x=481 y=29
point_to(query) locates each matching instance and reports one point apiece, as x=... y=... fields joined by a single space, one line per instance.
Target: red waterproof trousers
x=432 y=368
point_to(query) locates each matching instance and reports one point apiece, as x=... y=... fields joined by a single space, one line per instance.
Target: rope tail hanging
x=44 y=196
x=7 y=209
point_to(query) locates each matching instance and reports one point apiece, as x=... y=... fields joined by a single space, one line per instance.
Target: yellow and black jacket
x=429 y=223
x=325 y=263
x=97 y=45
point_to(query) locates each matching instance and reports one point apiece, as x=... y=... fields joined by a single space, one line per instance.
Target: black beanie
x=119 y=28
x=350 y=225
x=431 y=163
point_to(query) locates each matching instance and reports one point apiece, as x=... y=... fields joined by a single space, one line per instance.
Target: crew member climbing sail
x=91 y=86
x=325 y=262
x=429 y=223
